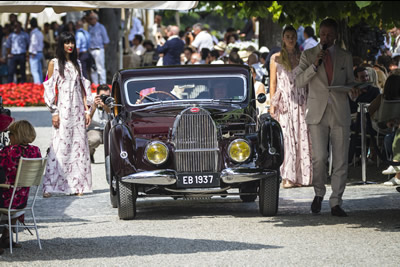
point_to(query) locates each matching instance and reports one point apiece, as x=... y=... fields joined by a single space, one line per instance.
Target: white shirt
x=309 y=43
x=36 y=43
x=218 y=61
x=203 y=40
x=99 y=120
x=138 y=50
x=260 y=71
x=137 y=28
x=396 y=48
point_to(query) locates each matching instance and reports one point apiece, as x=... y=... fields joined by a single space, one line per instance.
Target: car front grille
x=195 y=138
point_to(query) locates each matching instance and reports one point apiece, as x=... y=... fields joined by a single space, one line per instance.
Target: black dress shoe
x=316 y=205
x=338 y=211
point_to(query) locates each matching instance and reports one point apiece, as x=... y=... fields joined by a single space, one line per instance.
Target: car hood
x=155 y=121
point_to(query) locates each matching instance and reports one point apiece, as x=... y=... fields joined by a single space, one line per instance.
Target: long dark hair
x=65 y=38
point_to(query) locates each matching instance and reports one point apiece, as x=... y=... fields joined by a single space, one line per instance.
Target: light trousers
x=95 y=138
x=329 y=131
x=99 y=76
x=35 y=63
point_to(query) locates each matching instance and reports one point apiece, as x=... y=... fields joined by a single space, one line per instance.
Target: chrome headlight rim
x=233 y=143
x=156 y=143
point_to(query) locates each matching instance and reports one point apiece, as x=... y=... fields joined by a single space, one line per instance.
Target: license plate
x=187 y=180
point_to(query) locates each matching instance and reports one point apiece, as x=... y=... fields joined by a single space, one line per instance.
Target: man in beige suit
x=328 y=113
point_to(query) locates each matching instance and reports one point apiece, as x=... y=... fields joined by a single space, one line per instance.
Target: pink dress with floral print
x=68 y=167
x=9 y=160
x=290 y=108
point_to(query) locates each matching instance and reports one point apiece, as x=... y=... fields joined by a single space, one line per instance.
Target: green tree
x=347 y=13
x=382 y=13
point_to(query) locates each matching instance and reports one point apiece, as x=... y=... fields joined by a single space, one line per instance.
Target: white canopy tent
x=68 y=6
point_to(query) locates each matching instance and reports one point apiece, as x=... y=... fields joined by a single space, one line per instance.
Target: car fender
x=271 y=147
x=122 y=150
x=106 y=141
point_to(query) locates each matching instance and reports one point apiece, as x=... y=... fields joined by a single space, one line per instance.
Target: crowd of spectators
x=381 y=76
x=37 y=45
x=167 y=45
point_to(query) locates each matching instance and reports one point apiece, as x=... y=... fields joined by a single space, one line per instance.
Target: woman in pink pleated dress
x=288 y=106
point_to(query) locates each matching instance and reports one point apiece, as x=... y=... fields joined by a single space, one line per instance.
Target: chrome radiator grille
x=195 y=139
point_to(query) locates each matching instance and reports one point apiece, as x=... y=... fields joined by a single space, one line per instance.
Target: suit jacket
x=317 y=82
x=172 y=50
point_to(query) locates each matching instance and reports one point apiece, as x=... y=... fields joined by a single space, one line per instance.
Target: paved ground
x=86 y=230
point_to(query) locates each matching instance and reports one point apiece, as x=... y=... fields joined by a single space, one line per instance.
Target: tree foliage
x=379 y=13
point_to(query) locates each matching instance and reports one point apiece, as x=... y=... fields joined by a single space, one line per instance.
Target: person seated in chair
x=368 y=94
x=21 y=134
x=391 y=119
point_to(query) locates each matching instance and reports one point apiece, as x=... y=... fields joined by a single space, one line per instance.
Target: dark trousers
x=84 y=58
x=12 y=63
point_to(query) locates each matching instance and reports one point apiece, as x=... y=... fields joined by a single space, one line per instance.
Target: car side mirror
x=261 y=98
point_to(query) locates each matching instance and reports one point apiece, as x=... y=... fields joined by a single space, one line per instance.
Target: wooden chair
x=29 y=174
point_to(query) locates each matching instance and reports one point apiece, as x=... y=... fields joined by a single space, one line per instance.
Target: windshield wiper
x=149 y=98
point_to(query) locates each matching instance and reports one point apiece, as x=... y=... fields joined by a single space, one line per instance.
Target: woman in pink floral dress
x=288 y=106
x=68 y=168
x=21 y=133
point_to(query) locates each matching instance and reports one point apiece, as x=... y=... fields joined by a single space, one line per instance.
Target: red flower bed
x=25 y=94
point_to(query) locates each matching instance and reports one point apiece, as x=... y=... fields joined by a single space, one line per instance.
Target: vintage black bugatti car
x=187 y=131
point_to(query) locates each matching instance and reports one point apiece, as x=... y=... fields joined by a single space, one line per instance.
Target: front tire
x=269 y=196
x=110 y=178
x=127 y=194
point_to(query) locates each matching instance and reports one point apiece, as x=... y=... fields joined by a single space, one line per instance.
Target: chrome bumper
x=169 y=177
x=241 y=175
x=159 y=177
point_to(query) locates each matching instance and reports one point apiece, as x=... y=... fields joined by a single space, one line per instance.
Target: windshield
x=156 y=89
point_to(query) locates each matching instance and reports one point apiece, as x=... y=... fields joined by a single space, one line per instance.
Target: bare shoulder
x=50 y=69
x=275 y=56
x=51 y=64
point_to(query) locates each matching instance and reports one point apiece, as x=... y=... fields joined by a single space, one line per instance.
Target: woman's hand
x=272 y=110
x=87 y=119
x=55 y=121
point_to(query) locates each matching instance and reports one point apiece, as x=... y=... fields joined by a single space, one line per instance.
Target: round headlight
x=156 y=153
x=239 y=150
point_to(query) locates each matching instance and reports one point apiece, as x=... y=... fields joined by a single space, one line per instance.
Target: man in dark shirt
x=249 y=29
x=172 y=48
x=17 y=45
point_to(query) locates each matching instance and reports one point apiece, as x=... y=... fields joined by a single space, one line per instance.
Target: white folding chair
x=29 y=174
